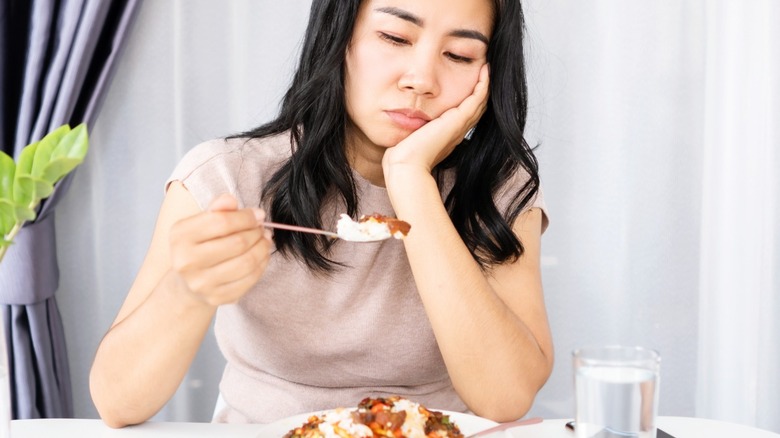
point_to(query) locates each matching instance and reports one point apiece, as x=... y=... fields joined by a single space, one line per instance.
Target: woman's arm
x=491 y=328
x=196 y=261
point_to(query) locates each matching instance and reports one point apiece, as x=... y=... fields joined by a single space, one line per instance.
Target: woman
x=452 y=317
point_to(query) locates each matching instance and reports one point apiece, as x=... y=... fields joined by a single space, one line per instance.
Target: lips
x=407 y=118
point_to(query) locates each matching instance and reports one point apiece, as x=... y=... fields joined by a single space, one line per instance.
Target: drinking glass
x=616 y=391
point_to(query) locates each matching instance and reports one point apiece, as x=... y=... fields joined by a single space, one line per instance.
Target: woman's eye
x=458 y=58
x=392 y=39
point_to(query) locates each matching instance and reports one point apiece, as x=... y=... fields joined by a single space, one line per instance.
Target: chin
x=391 y=138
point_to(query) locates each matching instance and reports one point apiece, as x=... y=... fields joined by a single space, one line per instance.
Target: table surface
x=679 y=427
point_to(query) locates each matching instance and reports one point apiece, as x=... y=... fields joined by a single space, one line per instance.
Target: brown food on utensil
x=379 y=417
x=371 y=228
x=393 y=224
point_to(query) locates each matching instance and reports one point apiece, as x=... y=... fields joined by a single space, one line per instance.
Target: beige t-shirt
x=300 y=342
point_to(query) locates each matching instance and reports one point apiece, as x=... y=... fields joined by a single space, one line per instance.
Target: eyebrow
x=417 y=21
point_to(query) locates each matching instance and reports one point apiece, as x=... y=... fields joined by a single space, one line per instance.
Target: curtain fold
x=739 y=353
x=57 y=60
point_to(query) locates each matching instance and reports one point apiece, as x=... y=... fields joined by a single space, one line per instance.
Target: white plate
x=468 y=424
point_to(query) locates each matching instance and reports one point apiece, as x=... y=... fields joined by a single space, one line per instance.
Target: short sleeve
x=507 y=192
x=209 y=170
x=541 y=205
x=237 y=165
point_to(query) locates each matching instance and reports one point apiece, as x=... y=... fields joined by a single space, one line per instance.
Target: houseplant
x=24 y=184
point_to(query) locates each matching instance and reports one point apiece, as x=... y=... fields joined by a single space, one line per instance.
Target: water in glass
x=615 y=401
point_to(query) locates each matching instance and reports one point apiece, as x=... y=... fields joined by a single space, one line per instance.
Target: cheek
x=366 y=91
x=353 y=84
x=460 y=86
x=365 y=67
x=366 y=80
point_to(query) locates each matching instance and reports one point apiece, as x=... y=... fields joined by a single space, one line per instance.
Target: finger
x=215 y=251
x=229 y=293
x=483 y=85
x=474 y=105
x=187 y=256
x=214 y=224
x=228 y=202
x=484 y=75
x=223 y=202
x=230 y=279
x=479 y=97
x=249 y=263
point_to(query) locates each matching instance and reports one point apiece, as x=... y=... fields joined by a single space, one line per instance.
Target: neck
x=365 y=157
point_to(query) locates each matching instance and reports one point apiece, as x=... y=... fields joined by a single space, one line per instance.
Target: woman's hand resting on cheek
x=219 y=254
x=432 y=143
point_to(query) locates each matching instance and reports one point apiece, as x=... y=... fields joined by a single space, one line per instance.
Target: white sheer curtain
x=739 y=349
x=657 y=148
x=658 y=153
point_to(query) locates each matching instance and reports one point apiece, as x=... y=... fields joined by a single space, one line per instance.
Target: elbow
x=110 y=411
x=112 y=422
x=518 y=397
x=108 y=414
x=508 y=410
x=115 y=416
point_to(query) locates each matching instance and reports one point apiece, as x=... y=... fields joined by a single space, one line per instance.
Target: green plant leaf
x=58 y=168
x=42 y=156
x=25 y=213
x=7 y=216
x=73 y=145
x=42 y=188
x=40 y=165
x=7 y=170
x=46 y=146
x=69 y=154
x=25 y=162
x=24 y=190
x=24 y=184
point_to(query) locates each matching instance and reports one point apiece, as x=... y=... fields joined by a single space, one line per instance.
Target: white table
x=680 y=427
x=83 y=428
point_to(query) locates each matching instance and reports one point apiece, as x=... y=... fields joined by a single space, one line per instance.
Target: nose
x=420 y=75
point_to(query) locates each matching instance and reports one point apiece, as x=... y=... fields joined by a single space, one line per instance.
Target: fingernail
x=259 y=215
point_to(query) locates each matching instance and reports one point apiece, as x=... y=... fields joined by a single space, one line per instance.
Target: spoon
x=371 y=228
x=301 y=229
x=330 y=234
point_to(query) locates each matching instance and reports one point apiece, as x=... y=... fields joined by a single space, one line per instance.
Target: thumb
x=224 y=202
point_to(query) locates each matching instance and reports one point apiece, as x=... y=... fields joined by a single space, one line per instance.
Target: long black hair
x=314 y=111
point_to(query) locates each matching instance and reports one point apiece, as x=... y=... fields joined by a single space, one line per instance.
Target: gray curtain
x=57 y=58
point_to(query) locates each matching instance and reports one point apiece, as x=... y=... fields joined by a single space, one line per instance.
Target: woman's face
x=409 y=61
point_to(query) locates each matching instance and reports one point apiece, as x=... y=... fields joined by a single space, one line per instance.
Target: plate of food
x=378 y=417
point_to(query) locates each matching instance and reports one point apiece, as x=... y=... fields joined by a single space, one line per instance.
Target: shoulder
x=240 y=166
x=231 y=153
x=514 y=189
